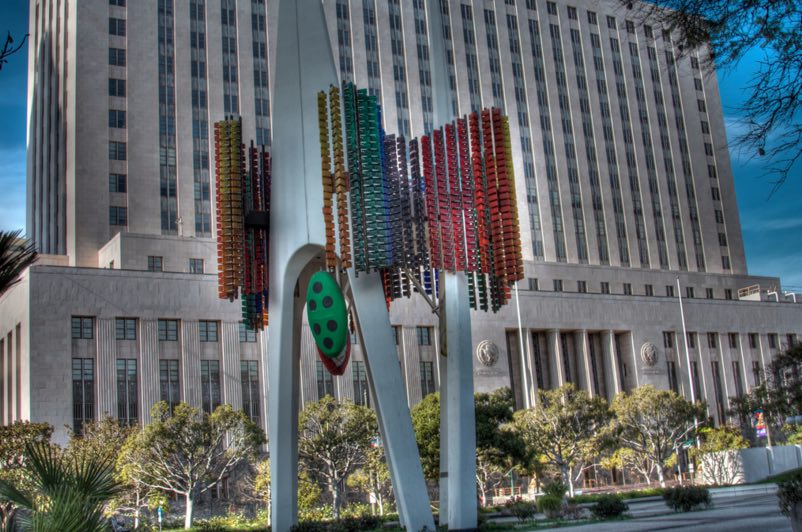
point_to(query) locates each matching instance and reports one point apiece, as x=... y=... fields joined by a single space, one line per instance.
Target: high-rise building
x=625 y=191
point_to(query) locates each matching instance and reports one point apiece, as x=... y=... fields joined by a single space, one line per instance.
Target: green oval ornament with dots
x=327 y=315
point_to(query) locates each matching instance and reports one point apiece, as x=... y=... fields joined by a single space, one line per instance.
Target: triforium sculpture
x=351 y=209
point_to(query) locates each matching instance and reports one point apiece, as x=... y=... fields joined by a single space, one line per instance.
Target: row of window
x=325 y=381
x=83 y=328
x=83 y=389
x=648 y=289
x=156 y=264
x=712 y=340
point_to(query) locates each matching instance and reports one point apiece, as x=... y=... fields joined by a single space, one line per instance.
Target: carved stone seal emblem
x=487 y=353
x=648 y=353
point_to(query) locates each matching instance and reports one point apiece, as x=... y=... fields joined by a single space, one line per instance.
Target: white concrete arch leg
x=384 y=373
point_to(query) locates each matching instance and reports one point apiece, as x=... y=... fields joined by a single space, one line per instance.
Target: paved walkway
x=733 y=511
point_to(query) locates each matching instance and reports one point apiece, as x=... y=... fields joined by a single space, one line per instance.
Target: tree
x=650 y=422
x=725 y=32
x=9 y=48
x=67 y=493
x=333 y=441
x=104 y=440
x=778 y=396
x=718 y=454
x=373 y=478
x=16 y=254
x=497 y=450
x=188 y=452
x=565 y=428
x=14 y=439
x=426 y=423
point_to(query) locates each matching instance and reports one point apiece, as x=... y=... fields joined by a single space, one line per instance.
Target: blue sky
x=772 y=226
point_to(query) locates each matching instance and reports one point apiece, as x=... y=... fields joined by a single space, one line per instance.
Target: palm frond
x=9 y=492
x=16 y=254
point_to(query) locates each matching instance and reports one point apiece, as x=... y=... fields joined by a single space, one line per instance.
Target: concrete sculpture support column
x=461 y=423
x=305 y=65
x=458 y=432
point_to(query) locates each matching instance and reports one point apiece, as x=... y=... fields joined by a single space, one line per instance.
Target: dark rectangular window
x=689 y=292
x=117 y=151
x=426 y=378
x=83 y=328
x=246 y=334
x=611 y=22
x=127 y=403
x=718 y=390
x=668 y=339
x=168 y=330
x=753 y=340
x=117 y=3
x=210 y=385
x=424 y=335
x=169 y=390
x=630 y=26
x=605 y=287
x=733 y=340
x=117 y=57
x=572 y=12
x=83 y=393
x=551 y=8
x=728 y=293
x=701 y=105
x=725 y=262
x=118 y=183
x=739 y=383
x=581 y=287
x=195 y=265
x=117 y=118
x=249 y=377
x=397 y=334
x=715 y=194
x=325 y=381
x=118 y=215
x=558 y=285
x=117 y=26
x=207 y=330
x=773 y=341
x=673 y=384
x=533 y=286
x=117 y=87
x=712 y=340
x=649 y=290
x=670 y=290
x=709 y=293
x=627 y=289
x=757 y=373
x=592 y=18
x=125 y=328
x=791 y=339
x=155 y=264
x=360 y=377
x=692 y=340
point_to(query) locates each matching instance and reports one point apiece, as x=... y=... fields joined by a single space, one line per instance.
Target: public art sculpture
x=345 y=218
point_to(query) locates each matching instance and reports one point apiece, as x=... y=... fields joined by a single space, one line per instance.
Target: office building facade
x=625 y=190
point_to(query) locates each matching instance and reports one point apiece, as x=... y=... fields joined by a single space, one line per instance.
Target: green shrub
x=550 y=505
x=626 y=495
x=609 y=507
x=349 y=524
x=687 y=498
x=555 y=488
x=571 y=511
x=789 y=492
x=522 y=509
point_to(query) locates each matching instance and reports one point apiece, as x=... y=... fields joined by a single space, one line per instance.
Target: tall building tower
x=623 y=177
